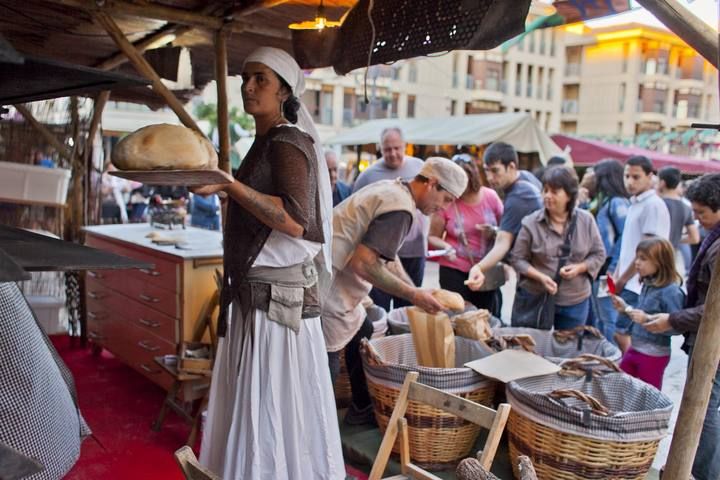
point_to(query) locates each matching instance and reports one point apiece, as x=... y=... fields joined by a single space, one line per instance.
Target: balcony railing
x=572 y=69
x=570 y=106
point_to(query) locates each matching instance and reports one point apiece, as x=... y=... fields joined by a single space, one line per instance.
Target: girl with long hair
x=649 y=354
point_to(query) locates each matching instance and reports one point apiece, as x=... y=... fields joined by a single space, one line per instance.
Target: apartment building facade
x=631 y=79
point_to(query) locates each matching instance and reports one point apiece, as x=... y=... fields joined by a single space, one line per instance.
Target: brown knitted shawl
x=281 y=163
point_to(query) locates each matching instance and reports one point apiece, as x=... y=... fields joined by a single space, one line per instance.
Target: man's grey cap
x=450 y=176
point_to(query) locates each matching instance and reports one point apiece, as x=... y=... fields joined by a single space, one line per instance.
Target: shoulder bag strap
x=566 y=247
x=461 y=232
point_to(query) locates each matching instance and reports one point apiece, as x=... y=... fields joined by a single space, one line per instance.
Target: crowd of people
x=601 y=251
x=605 y=251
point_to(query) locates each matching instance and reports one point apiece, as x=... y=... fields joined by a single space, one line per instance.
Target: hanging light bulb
x=320 y=23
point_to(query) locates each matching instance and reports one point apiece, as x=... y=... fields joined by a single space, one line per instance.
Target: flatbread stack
x=165 y=147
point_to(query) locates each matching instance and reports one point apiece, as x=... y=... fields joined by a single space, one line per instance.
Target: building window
x=348 y=108
x=551 y=79
x=521 y=44
x=412 y=73
x=540 y=82
x=621 y=100
x=395 y=103
x=492 y=80
x=625 y=56
x=518 y=80
x=453 y=107
x=552 y=42
x=326 y=110
x=542 y=41
x=411 y=106
x=531 y=37
x=529 y=85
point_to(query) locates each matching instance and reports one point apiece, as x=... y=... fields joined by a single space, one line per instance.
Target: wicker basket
x=438 y=440
x=557 y=346
x=606 y=428
x=398 y=323
x=343 y=391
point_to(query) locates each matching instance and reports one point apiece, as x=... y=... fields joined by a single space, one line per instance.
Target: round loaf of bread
x=164 y=147
x=449 y=300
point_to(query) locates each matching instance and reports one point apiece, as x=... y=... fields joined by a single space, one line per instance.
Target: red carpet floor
x=120 y=405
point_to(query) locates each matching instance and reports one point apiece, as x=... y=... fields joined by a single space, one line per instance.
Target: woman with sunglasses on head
x=466 y=230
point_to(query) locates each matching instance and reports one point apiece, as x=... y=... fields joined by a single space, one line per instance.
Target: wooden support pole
x=687 y=26
x=261 y=5
x=174 y=15
x=99 y=106
x=145 y=69
x=223 y=116
x=696 y=396
x=158 y=39
x=42 y=130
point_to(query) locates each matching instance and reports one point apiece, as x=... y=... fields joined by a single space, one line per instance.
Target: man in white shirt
x=647 y=217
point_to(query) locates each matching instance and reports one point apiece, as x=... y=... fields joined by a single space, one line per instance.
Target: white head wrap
x=287 y=68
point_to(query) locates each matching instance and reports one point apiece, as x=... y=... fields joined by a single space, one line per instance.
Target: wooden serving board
x=186 y=178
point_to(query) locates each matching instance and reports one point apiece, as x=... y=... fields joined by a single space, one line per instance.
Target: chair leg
x=157 y=425
x=197 y=418
x=391 y=432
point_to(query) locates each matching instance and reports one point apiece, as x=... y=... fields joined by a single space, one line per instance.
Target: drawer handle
x=95 y=274
x=148 y=323
x=95 y=296
x=152 y=273
x=148 y=298
x=148 y=369
x=96 y=316
x=149 y=348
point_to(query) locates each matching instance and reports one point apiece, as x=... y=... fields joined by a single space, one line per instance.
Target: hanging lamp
x=320 y=23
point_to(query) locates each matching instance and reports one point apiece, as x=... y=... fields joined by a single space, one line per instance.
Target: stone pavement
x=673 y=382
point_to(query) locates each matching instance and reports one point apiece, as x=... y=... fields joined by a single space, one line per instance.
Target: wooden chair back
x=492 y=420
x=191 y=468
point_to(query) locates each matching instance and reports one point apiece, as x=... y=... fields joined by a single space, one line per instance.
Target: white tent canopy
x=517 y=129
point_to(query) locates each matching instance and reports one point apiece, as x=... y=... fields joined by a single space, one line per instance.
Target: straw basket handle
x=594 y=404
x=587 y=363
x=523 y=340
x=564 y=336
x=371 y=355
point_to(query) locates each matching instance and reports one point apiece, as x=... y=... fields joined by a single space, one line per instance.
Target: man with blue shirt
x=647 y=216
x=340 y=189
x=521 y=198
x=395 y=164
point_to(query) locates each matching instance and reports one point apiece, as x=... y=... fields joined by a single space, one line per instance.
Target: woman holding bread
x=558 y=251
x=271 y=407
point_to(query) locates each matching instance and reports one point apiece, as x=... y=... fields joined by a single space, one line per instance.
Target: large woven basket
x=572 y=428
x=398 y=322
x=558 y=346
x=438 y=439
x=343 y=391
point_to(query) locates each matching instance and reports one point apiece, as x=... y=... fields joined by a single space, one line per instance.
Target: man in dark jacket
x=704 y=195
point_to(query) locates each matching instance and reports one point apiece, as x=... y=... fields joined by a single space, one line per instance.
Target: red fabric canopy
x=586 y=153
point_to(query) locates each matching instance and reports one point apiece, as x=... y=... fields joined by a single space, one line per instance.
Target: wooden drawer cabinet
x=140 y=314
